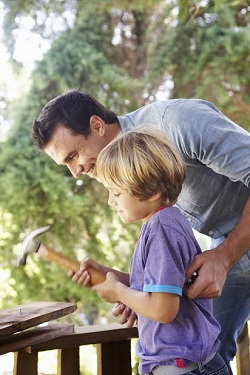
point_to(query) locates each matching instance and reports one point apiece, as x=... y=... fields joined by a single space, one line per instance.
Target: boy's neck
x=160 y=207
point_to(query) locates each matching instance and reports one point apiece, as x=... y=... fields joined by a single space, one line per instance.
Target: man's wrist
x=229 y=252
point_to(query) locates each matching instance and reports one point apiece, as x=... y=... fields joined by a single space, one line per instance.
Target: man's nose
x=75 y=170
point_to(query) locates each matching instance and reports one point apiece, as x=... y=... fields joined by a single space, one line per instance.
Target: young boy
x=144 y=175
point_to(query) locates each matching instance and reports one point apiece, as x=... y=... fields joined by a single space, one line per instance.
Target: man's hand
x=212 y=270
x=125 y=315
x=213 y=265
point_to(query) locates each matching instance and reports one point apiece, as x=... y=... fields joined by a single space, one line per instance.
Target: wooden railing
x=243 y=352
x=21 y=333
x=113 y=349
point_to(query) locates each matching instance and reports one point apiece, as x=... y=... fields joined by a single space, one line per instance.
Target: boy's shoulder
x=171 y=218
x=168 y=214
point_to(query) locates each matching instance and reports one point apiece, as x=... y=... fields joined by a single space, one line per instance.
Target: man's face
x=78 y=153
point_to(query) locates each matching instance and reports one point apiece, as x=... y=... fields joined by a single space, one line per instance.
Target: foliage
x=205 y=55
x=126 y=54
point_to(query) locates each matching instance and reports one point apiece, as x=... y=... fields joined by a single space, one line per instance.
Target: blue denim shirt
x=217 y=155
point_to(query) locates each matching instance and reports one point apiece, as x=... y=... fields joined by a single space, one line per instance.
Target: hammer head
x=29 y=245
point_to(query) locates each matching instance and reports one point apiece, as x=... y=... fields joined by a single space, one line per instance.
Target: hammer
x=29 y=245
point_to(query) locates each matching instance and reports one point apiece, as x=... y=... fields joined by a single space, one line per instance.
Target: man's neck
x=112 y=130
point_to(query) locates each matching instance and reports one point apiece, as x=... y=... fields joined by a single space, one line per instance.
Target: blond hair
x=142 y=162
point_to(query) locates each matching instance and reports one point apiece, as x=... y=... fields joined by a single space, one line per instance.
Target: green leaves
x=123 y=53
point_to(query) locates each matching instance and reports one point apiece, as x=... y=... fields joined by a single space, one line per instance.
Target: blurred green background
x=127 y=54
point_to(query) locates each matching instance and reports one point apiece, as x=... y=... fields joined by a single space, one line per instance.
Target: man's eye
x=73 y=157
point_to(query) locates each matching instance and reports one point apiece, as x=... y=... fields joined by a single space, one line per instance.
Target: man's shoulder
x=172 y=104
x=165 y=113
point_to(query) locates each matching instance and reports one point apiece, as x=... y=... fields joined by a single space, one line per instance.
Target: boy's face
x=78 y=153
x=130 y=208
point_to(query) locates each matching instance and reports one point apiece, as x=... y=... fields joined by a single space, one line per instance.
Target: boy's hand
x=125 y=315
x=108 y=289
x=82 y=276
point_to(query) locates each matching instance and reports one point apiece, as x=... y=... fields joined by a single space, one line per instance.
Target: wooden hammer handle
x=69 y=264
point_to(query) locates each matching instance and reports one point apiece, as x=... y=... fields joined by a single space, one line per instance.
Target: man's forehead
x=56 y=153
x=62 y=143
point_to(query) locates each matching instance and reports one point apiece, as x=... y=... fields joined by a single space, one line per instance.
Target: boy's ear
x=155 y=197
x=97 y=125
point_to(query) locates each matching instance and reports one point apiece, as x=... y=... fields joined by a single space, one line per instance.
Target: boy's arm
x=161 y=307
x=213 y=265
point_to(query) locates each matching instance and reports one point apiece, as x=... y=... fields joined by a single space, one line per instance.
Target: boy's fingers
x=118 y=309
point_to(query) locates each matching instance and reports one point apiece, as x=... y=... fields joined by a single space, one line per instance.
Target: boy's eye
x=117 y=194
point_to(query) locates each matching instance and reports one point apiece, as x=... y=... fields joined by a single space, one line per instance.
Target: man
x=74 y=127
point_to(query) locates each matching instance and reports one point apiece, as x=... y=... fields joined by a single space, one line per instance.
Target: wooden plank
x=29 y=315
x=25 y=363
x=243 y=353
x=95 y=334
x=68 y=361
x=114 y=358
x=23 y=340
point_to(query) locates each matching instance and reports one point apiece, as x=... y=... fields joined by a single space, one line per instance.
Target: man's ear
x=97 y=125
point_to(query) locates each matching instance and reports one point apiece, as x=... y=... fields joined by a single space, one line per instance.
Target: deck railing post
x=68 y=361
x=243 y=353
x=114 y=358
x=25 y=363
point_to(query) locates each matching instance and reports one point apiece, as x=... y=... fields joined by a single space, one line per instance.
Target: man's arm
x=213 y=265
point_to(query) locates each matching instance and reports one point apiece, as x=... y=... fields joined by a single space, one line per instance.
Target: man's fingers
x=194 y=290
x=208 y=292
x=192 y=279
x=193 y=267
x=203 y=287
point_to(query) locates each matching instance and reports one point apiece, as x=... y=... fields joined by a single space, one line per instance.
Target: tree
x=205 y=54
x=125 y=53
x=37 y=191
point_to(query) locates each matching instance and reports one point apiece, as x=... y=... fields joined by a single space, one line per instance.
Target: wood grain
x=32 y=314
x=24 y=340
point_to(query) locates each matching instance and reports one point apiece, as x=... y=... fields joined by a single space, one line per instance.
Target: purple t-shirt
x=164 y=250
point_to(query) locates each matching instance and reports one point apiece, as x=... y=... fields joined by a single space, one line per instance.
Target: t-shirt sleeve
x=167 y=255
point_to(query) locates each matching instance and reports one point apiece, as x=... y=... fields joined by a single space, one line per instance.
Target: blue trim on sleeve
x=162 y=289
